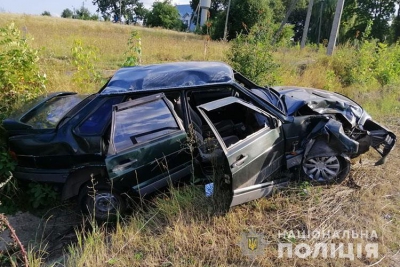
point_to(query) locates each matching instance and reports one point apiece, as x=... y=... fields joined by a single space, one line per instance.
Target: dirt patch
x=49 y=232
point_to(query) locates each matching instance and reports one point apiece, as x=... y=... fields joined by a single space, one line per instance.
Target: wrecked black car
x=153 y=125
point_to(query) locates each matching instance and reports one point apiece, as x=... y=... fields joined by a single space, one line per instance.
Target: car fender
x=330 y=140
x=79 y=176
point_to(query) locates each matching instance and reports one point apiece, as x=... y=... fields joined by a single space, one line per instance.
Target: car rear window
x=49 y=114
x=142 y=123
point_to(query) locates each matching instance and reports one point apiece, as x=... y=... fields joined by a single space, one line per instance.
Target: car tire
x=101 y=202
x=325 y=170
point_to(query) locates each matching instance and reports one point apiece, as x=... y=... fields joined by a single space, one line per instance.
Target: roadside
x=44 y=231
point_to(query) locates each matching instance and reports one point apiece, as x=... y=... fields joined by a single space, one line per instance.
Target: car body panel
x=320 y=101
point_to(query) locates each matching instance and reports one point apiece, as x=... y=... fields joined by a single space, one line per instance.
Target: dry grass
x=55 y=36
x=183 y=228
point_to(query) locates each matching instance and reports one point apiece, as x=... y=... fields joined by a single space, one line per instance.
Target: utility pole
x=320 y=21
x=335 y=27
x=226 y=21
x=120 y=13
x=307 y=24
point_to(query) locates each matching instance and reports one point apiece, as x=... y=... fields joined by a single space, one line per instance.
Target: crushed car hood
x=299 y=99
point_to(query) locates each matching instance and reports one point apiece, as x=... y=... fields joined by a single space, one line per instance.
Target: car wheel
x=326 y=170
x=101 y=202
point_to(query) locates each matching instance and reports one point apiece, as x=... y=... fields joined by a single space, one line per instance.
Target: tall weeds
x=20 y=76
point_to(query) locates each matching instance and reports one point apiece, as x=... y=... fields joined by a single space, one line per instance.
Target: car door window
x=147 y=148
x=142 y=123
x=97 y=121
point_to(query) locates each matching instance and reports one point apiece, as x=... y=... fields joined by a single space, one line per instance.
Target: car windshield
x=49 y=113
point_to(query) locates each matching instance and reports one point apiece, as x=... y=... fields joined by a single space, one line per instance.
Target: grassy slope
x=183 y=229
x=55 y=37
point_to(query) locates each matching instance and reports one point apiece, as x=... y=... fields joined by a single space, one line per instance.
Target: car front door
x=254 y=151
x=147 y=148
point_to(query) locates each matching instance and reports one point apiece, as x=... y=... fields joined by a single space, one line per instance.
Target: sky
x=55 y=7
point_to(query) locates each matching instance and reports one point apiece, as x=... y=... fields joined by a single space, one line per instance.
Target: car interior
x=234 y=122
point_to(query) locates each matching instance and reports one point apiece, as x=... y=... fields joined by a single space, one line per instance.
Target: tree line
x=162 y=14
x=377 y=19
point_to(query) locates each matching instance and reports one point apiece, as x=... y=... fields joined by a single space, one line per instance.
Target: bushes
x=84 y=58
x=251 y=55
x=134 y=52
x=20 y=80
x=20 y=77
x=387 y=65
x=368 y=72
x=370 y=63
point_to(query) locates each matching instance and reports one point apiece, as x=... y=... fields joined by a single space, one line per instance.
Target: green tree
x=20 y=75
x=297 y=19
x=380 y=12
x=82 y=13
x=67 y=13
x=251 y=55
x=320 y=22
x=115 y=8
x=395 y=28
x=138 y=12
x=357 y=14
x=84 y=58
x=46 y=13
x=217 y=6
x=243 y=15
x=165 y=15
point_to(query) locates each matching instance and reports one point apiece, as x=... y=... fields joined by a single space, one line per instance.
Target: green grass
x=309 y=67
x=55 y=37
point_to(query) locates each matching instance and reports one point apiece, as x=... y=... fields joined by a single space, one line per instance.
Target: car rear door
x=147 y=147
x=256 y=158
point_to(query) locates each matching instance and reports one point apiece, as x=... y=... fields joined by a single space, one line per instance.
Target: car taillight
x=12 y=155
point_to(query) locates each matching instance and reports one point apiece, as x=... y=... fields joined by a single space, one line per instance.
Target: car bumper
x=41 y=175
x=381 y=139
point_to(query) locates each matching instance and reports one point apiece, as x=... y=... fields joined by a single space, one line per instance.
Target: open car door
x=254 y=150
x=146 y=149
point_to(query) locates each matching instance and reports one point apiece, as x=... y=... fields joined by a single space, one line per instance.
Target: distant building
x=186 y=13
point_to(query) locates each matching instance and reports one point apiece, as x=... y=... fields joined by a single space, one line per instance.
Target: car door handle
x=121 y=167
x=128 y=163
x=240 y=161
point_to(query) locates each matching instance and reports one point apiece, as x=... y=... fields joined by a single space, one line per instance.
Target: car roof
x=168 y=75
